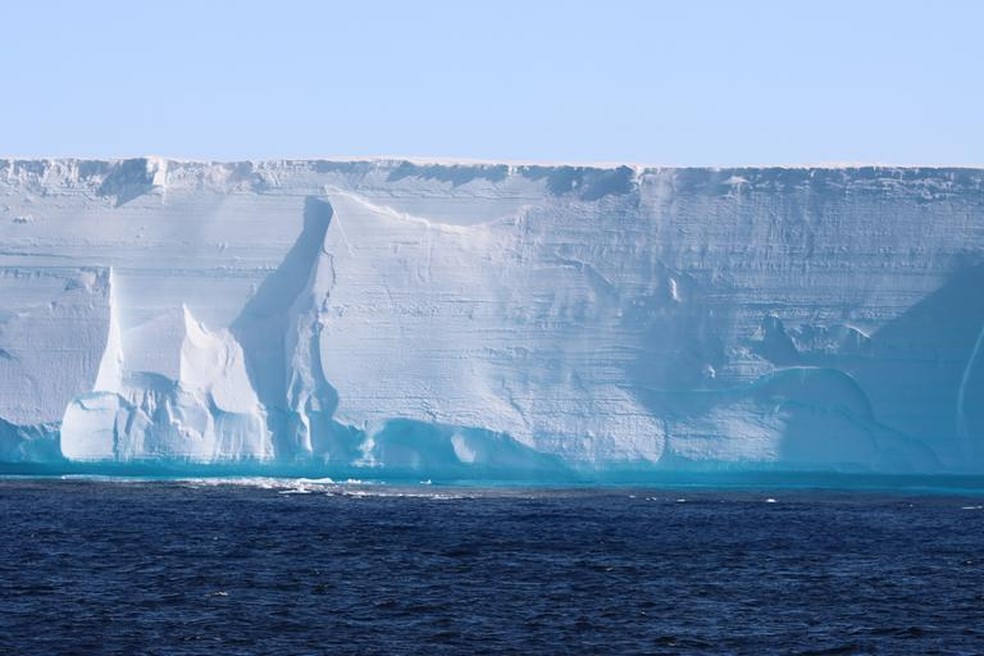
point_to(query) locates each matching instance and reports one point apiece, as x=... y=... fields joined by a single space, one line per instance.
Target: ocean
x=277 y=566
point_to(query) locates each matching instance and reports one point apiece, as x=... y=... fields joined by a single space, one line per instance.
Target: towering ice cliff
x=404 y=317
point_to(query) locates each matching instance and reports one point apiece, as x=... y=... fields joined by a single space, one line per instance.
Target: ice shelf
x=396 y=316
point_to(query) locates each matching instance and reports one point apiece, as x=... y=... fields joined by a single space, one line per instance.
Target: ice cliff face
x=396 y=316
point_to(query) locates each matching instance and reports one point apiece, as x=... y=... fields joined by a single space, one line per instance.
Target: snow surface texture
x=400 y=316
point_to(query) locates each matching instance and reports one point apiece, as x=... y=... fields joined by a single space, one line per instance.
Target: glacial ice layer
x=394 y=316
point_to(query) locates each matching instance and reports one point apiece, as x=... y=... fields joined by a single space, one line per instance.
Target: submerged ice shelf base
x=389 y=316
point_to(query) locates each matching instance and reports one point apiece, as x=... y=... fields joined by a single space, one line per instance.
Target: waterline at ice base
x=422 y=319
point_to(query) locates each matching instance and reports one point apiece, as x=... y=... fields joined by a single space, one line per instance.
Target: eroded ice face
x=460 y=317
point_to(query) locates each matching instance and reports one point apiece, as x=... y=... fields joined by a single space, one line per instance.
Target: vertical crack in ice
x=338 y=222
x=968 y=441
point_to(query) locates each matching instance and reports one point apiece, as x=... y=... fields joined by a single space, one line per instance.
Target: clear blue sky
x=687 y=82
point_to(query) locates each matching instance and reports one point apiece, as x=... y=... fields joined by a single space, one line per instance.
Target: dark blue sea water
x=104 y=567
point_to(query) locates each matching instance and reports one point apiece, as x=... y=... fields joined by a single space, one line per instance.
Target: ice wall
x=401 y=316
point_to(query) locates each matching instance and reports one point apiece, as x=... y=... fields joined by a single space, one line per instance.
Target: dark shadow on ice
x=37 y=443
x=922 y=374
x=925 y=376
x=262 y=325
x=776 y=346
x=821 y=412
x=908 y=397
x=127 y=180
x=823 y=418
x=586 y=183
x=829 y=422
x=406 y=446
x=679 y=347
x=456 y=174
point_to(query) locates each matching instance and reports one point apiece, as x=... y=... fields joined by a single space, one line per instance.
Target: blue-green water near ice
x=296 y=566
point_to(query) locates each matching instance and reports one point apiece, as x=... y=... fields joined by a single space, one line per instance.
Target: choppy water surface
x=307 y=567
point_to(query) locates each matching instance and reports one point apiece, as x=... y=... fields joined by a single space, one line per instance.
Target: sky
x=688 y=82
